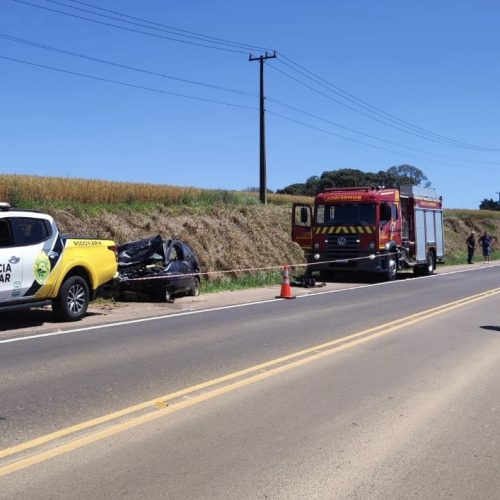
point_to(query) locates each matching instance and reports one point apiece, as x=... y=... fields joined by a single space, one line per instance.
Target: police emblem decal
x=42 y=268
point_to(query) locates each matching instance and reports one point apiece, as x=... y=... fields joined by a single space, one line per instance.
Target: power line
x=132 y=30
x=319 y=92
x=364 y=134
x=148 y=25
x=373 y=109
x=215 y=87
x=213 y=101
x=348 y=96
x=35 y=44
x=173 y=28
x=385 y=118
x=123 y=66
x=356 y=141
x=126 y=84
x=360 y=102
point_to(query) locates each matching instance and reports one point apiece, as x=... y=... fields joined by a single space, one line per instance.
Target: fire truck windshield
x=346 y=214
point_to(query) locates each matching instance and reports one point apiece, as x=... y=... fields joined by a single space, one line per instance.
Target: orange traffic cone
x=286 y=289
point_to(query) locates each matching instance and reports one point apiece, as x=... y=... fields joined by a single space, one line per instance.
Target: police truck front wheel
x=73 y=300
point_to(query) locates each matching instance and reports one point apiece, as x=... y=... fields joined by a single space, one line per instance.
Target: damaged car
x=159 y=268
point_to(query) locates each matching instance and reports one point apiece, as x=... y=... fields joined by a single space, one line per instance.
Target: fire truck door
x=390 y=224
x=395 y=224
x=302 y=225
x=385 y=224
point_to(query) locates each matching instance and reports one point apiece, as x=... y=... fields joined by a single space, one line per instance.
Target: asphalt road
x=358 y=393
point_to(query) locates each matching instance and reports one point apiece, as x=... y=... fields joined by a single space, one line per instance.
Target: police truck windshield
x=346 y=214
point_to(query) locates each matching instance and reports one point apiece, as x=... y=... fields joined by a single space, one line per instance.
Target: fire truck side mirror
x=304 y=216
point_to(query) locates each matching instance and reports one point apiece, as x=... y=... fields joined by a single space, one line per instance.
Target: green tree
x=408 y=174
x=344 y=177
x=393 y=177
x=294 y=189
x=309 y=188
x=489 y=204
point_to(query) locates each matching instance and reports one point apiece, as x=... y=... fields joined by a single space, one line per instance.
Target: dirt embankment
x=459 y=223
x=224 y=238
x=239 y=237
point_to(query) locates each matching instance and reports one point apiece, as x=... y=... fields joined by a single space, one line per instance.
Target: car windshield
x=346 y=214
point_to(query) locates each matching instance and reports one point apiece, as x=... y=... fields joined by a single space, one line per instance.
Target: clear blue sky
x=432 y=63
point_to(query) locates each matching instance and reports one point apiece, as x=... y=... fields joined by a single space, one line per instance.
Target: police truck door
x=30 y=234
x=11 y=268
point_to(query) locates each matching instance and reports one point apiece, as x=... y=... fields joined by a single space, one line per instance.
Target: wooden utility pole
x=263 y=172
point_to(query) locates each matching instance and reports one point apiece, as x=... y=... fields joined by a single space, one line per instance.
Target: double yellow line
x=76 y=436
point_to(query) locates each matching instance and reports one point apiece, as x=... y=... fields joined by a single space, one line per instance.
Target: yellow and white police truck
x=38 y=266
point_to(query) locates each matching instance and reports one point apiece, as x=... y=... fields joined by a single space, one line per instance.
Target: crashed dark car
x=158 y=268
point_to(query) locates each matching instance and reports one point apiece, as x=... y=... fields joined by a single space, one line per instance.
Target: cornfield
x=26 y=189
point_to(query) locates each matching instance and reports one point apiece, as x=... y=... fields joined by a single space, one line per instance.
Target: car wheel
x=168 y=296
x=162 y=295
x=73 y=300
x=194 y=291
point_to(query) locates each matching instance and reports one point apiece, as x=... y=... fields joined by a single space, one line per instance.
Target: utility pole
x=498 y=197
x=263 y=173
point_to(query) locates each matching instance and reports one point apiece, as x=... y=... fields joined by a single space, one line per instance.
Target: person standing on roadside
x=471 y=246
x=486 y=240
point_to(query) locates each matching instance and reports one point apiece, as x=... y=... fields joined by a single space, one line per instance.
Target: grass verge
x=461 y=258
x=232 y=283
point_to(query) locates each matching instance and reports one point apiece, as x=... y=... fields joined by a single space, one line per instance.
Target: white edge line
x=232 y=306
x=133 y=321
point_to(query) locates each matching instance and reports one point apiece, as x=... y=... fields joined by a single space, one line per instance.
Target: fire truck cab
x=371 y=229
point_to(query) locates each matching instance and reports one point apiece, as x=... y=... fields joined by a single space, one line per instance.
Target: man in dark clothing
x=471 y=246
x=486 y=240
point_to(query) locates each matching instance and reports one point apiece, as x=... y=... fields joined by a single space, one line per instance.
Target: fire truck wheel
x=428 y=268
x=431 y=264
x=392 y=269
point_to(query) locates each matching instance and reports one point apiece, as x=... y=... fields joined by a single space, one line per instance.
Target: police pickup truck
x=38 y=266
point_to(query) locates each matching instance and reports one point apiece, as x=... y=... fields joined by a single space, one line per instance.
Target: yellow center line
x=161 y=403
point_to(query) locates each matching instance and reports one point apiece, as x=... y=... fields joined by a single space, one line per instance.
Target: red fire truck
x=371 y=229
